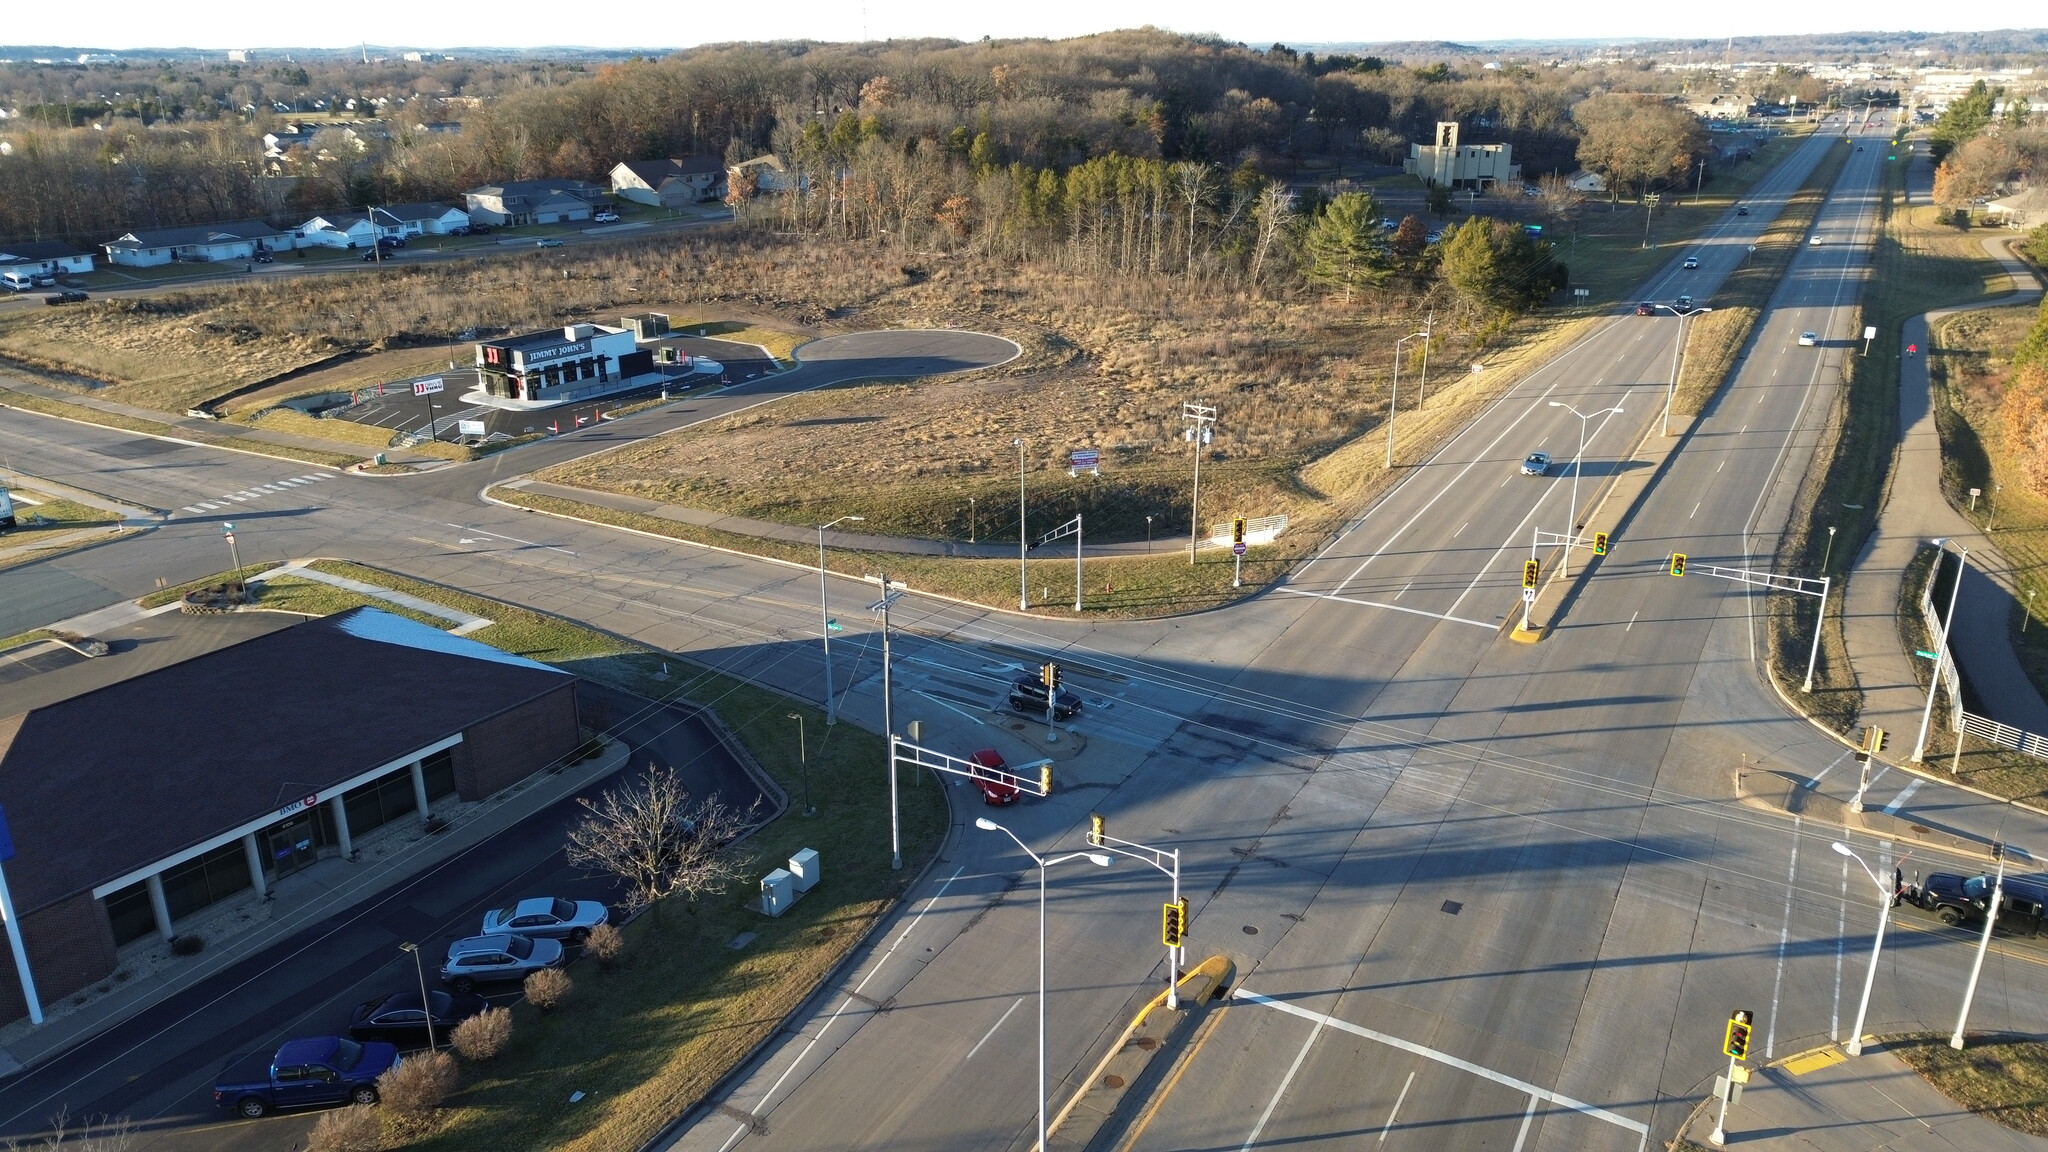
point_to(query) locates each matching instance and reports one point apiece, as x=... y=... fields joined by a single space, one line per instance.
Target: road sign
x=426 y=387
x=1528 y=595
x=1237 y=549
x=833 y=626
x=1870 y=331
x=469 y=428
x=1923 y=653
x=1086 y=460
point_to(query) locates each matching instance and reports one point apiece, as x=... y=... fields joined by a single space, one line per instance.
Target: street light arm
x=1845 y=850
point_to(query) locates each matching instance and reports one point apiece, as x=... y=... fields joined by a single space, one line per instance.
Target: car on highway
x=1742 y=209
x=547 y=916
x=1027 y=695
x=306 y=1071
x=1691 y=262
x=399 y=1019
x=67 y=296
x=380 y=253
x=1536 y=464
x=994 y=790
x=1684 y=302
x=1646 y=308
x=1808 y=339
x=478 y=960
x=550 y=242
x=1813 y=241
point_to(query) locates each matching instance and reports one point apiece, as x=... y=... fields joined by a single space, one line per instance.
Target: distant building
x=1584 y=181
x=1453 y=165
x=670 y=183
x=240 y=56
x=517 y=202
x=199 y=243
x=420 y=219
x=340 y=230
x=761 y=174
x=43 y=258
x=1720 y=106
x=2021 y=209
x=422 y=57
x=560 y=364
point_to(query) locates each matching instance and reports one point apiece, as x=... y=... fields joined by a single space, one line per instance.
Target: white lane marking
x=1722 y=464
x=513 y=539
x=1409 y=1046
x=1396 y=1110
x=1784 y=936
x=1461 y=529
x=1904 y=795
x=943 y=704
x=1632 y=620
x=845 y=1002
x=1404 y=588
x=1846 y=753
x=992 y=1028
x=1390 y=607
x=1281 y=1090
x=1695 y=510
x=1526 y=1117
x=1841 y=945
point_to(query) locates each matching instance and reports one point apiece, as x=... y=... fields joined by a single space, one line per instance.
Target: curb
x=1121 y=1086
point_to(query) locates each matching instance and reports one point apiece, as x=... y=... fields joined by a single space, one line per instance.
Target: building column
x=252 y=853
x=340 y=810
x=419 y=791
x=158 y=906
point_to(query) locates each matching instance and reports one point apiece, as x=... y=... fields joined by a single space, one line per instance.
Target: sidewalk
x=1914 y=513
x=20 y=545
x=1824 y=1101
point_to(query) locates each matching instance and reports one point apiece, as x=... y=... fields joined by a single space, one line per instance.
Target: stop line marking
x=1323 y=1020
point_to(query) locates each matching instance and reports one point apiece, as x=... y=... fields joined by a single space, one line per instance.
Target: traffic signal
x=1045 y=780
x=1173 y=923
x=1599 y=543
x=1678 y=563
x=1096 y=828
x=1237 y=531
x=1050 y=676
x=1873 y=740
x=1736 y=1043
x=1531 y=569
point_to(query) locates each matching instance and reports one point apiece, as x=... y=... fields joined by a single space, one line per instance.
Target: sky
x=129 y=24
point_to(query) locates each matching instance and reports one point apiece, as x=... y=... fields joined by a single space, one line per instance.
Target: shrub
x=420 y=1083
x=187 y=944
x=356 y=1128
x=547 y=988
x=605 y=944
x=483 y=1035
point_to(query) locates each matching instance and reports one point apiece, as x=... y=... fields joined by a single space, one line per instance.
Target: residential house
x=670 y=183
x=276 y=144
x=199 y=243
x=43 y=258
x=341 y=230
x=1584 y=181
x=420 y=219
x=517 y=202
x=2022 y=209
x=761 y=174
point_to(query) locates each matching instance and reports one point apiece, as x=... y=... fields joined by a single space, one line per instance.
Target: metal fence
x=1258 y=530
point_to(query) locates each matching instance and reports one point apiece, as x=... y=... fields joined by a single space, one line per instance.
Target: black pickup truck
x=2023 y=904
x=302 y=1073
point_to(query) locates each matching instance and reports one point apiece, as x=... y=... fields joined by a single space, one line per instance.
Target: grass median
x=692 y=997
x=2001 y=1078
x=89 y=415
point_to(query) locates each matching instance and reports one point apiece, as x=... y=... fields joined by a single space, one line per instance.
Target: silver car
x=1536 y=464
x=546 y=916
x=487 y=959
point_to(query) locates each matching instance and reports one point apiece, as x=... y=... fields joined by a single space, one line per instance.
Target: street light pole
x=1394 y=397
x=889 y=594
x=1983 y=946
x=1948 y=626
x=1100 y=860
x=1884 y=914
x=803 y=756
x=1578 y=465
x=426 y=1006
x=1677 y=357
x=825 y=623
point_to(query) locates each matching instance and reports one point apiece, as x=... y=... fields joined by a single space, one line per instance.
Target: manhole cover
x=1148 y=1043
x=1016 y=727
x=1453 y=907
x=1250 y=931
x=1112 y=1081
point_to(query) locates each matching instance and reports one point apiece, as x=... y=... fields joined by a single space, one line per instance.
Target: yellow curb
x=1523 y=635
x=1813 y=1061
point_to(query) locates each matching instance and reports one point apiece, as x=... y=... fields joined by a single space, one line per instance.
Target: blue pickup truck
x=314 y=1070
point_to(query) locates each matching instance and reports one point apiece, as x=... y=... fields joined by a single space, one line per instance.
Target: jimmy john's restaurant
x=229 y=753
x=560 y=365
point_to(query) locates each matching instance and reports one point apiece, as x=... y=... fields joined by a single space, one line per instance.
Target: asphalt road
x=1493 y=895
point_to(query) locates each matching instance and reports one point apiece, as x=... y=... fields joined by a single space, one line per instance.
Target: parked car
x=391 y=241
x=1808 y=339
x=1691 y=262
x=67 y=296
x=993 y=790
x=1742 y=209
x=547 y=916
x=399 y=1019
x=302 y=1072
x=1027 y=695
x=1646 y=308
x=478 y=960
x=606 y=217
x=1433 y=238
x=1536 y=464
x=1961 y=900
x=264 y=258
x=547 y=243
x=462 y=231
x=479 y=230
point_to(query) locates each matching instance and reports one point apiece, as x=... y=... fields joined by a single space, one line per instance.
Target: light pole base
x=1854 y=1047
x=1717 y=1138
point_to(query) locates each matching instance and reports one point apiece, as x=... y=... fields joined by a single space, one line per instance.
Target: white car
x=1808 y=339
x=546 y=916
x=606 y=217
x=1813 y=241
x=1536 y=464
x=1691 y=262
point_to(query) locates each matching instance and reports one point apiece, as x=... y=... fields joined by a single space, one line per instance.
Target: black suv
x=1027 y=695
x=1961 y=900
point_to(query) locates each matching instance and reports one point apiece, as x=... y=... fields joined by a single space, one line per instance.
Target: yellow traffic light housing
x=1050 y=676
x=1173 y=923
x=1237 y=530
x=1599 y=543
x=1531 y=570
x=1873 y=740
x=1735 y=1043
x=1045 y=779
x=1097 y=826
x=1678 y=563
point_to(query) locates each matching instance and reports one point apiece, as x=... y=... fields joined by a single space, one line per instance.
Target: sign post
x=234 y=556
x=425 y=389
x=1085 y=460
x=28 y=980
x=1869 y=334
x=1237 y=549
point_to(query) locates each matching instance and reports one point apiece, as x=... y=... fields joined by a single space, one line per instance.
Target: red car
x=994 y=789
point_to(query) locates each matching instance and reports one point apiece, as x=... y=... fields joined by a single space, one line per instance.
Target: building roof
x=113 y=779
x=653 y=172
x=417 y=211
x=336 y=221
x=542 y=190
x=35 y=250
x=196 y=234
x=547 y=338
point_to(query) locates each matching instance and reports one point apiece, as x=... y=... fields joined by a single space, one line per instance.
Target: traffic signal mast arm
x=1803 y=585
x=1034 y=778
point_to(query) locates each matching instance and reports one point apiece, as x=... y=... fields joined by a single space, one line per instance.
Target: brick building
x=141 y=801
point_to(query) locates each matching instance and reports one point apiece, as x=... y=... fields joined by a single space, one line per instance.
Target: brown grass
x=2001 y=1078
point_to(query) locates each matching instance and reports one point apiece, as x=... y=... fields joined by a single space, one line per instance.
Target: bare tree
x=1275 y=212
x=1196 y=182
x=94 y=1134
x=649 y=833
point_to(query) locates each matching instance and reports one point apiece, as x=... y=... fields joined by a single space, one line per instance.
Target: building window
x=128 y=912
x=389 y=798
x=209 y=879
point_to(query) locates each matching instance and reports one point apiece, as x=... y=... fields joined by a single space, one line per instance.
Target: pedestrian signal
x=1678 y=563
x=1173 y=923
x=1599 y=543
x=1531 y=569
x=1735 y=1043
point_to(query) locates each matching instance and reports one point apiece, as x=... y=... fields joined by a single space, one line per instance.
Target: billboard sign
x=426 y=387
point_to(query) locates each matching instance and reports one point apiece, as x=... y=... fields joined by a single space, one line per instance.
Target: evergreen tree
x=1346 y=247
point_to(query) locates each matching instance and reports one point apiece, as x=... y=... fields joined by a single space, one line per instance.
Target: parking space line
x=1596 y=1112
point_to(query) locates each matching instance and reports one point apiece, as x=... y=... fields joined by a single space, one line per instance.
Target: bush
x=483 y=1035
x=605 y=944
x=547 y=988
x=187 y=944
x=356 y=1128
x=420 y=1083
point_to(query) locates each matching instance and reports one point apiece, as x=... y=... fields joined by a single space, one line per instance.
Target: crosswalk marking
x=229 y=500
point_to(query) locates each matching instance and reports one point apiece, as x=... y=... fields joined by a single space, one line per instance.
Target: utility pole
x=1199 y=419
